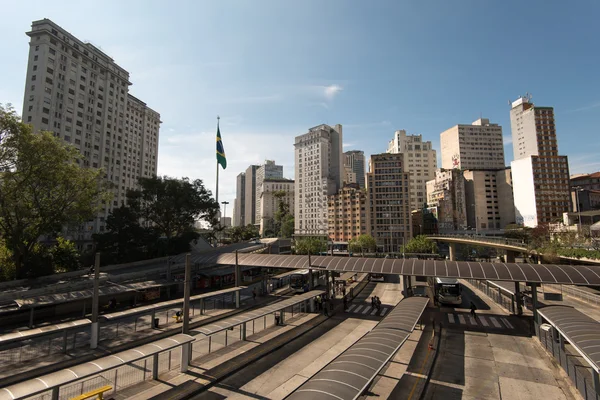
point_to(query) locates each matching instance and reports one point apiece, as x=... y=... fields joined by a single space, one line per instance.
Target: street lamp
x=577 y=190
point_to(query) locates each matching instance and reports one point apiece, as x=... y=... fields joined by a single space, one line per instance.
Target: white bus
x=448 y=291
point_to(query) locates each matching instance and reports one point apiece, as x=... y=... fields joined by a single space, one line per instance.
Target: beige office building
x=347 y=213
x=540 y=176
x=78 y=92
x=268 y=170
x=389 y=213
x=419 y=160
x=319 y=170
x=269 y=201
x=475 y=146
x=489 y=199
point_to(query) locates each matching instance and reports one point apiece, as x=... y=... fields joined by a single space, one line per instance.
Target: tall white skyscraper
x=319 y=172
x=80 y=94
x=268 y=170
x=239 y=206
x=419 y=160
x=540 y=176
x=475 y=146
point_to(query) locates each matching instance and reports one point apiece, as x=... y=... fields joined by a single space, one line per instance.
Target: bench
x=98 y=392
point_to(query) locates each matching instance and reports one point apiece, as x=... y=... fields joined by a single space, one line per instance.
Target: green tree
x=421 y=244
x=172 y=205
x=284 y=218
x=42 y=189
x=65 y=256
x=362 y=243
x=312 y=245
x=125 y=239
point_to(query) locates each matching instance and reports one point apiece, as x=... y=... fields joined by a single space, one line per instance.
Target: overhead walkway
x=351 y=373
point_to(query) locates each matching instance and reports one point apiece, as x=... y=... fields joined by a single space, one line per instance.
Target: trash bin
x=155 y=323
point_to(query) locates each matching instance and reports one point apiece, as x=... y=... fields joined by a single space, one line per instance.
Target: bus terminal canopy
x=513 y=272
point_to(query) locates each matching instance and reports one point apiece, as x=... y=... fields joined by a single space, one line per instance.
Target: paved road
x=492 y=356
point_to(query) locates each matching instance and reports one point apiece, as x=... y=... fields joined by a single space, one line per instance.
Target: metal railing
x=576 y=292
x=500 y=296
x=578 y=373
x=485 y=239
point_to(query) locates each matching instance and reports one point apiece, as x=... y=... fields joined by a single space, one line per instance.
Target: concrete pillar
x=452 y=247
x=243 y=331
x=596 y=379
x=155 y=366
x=534 y=302
x=518 y=299
x=561 y=340
x=186 y=294
x=95 y=304
x=201 y=306
x=510 y=256
x=312 y=305
x=185 y=356
x=281 y=317
x=31 y=312
x=55 y=393
x=310 y=280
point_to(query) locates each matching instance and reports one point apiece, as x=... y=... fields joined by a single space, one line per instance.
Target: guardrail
x=486 y=239
x=577 y=293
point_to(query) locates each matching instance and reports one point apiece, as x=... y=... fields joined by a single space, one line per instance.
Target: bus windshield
x=449 y=290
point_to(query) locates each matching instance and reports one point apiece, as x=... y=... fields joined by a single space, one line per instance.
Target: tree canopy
x=42 y=190
x=284 y=217
x=158 y=220
x=312 y=245
x=421 y=244
x=362 y=243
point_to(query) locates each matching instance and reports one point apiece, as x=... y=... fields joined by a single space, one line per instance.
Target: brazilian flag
x=221 y=159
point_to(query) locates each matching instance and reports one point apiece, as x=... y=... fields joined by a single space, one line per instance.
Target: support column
x=186 y=294
x=510 y=256
x=310 y=280
x=518 y=299
x=95 y=304
x=238 y=280
x=31 y=312
x=561 y=340
x=155 y=366
x=452 y=247
x=243 y=331
x=185 y=357
x=201 y=306
x=312 y=305
x=55 y=393
x=534 y=302
x=596 y=379
x=281 y=317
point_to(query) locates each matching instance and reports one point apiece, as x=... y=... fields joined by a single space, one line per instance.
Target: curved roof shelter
x=48 y=382
x=512 y=272
x=578 y=329
x=347 y=376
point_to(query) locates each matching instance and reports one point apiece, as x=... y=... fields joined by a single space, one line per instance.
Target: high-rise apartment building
x=354 y=165
x=475 y=146
x=250 y=200
x=79 y=93
x=319 y=172
x=420 y=162
x=540 y=176
x=489 y=199
x=446 y=198
x=268 y=170
x=239 y=206
x=585 y=192
x=347 y=213
x=389 y=214
x=274 y=191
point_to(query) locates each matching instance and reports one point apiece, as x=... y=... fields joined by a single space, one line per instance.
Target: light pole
x=577 y=190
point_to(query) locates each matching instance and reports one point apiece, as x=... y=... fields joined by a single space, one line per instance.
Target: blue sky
x=273 y=69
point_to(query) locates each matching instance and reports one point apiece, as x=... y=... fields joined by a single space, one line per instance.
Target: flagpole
x=217 y=191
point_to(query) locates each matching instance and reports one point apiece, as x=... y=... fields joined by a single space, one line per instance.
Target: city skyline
x=265 y=97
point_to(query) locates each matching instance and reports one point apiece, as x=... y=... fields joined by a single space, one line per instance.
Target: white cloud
x=585 y=108
x=331 y=91
x=347 y=145
x=507 y=139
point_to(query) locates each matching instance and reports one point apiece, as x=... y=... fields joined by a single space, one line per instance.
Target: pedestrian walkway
x=481 y=321
x=367 y=310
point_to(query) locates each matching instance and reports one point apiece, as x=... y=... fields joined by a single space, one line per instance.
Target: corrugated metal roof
x=230 y=322
x=522 y=272
x=578 y=329
x=346 y=377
